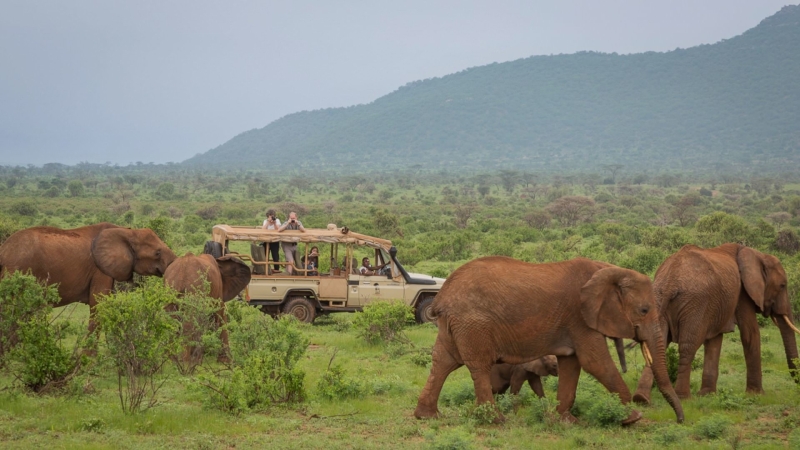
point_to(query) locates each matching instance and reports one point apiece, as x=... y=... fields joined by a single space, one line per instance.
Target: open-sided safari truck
x=336 y=285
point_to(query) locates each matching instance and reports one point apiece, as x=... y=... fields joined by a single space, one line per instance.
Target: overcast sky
x=159 y=81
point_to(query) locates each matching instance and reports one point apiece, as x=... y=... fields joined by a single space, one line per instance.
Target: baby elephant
x=514 y=375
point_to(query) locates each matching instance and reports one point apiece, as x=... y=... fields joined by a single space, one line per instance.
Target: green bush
x=382 y=322
x=454 y=439
x=24 y=208
x=644 y=260
x=140 y=336
x=8 y=227
x=598 y=406
x=673 y=360
x=457 y=395
x=199 y=335
x=264 y=371
x=335 y=385
x=712 y=427
x=543 y=410
x=22 y=300
x=483 y=414
x=33 y=345
x=422 y=357
x=670 y=435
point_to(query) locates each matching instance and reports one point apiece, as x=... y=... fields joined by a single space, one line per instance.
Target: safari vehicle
x=336 y=285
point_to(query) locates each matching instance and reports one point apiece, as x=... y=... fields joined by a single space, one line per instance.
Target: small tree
x=383 y=322
x=571 y=210
x=140 y=336
x=75 y=188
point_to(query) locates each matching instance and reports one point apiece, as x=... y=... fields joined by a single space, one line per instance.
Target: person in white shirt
x=273 y=223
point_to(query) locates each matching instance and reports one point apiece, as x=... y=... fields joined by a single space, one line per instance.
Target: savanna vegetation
x=351 y=381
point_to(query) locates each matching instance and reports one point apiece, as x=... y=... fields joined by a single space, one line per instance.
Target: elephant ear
x=235 y=276
x=113 y=254
x=751 y=269
x=601 y=303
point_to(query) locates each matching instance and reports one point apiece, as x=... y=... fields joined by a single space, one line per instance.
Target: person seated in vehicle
x=313 y=262
x=367 y=269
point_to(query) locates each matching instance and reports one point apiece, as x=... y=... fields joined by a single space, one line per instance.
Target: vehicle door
x=370 y=288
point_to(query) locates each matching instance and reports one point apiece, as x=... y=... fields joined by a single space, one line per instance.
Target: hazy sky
x=158 y=81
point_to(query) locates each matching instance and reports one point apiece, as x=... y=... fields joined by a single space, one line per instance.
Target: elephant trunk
x=654 y=342
x=789 y=345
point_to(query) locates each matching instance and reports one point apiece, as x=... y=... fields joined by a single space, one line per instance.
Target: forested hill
x=733 y=105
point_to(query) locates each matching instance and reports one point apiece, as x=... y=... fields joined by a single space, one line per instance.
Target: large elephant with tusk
x=703 y=293
x=499 y=310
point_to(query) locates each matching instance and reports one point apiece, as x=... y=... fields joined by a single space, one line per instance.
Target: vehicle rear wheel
x=424 y=313
x=301 y=308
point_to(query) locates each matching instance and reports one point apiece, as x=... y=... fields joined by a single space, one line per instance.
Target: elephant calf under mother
x=500 y=310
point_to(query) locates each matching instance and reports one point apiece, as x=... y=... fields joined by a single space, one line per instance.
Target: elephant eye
x=158 y=253
x=644 y=310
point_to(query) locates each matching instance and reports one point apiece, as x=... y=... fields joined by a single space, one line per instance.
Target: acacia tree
x=570 y=210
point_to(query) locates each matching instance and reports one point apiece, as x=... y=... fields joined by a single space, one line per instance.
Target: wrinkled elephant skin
x=85 y=261
x=226 y=277
x=702 y=293
x=505 y=376
x=500 y=310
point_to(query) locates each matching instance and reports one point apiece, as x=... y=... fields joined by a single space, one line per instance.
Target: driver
x=366 y=269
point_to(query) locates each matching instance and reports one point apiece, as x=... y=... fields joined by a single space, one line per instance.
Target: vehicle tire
x=301 y=308
x=424 y=314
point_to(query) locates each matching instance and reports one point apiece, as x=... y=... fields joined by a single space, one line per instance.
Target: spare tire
x=213 y=248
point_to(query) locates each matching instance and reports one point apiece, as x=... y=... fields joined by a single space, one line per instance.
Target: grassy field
x=382 y=416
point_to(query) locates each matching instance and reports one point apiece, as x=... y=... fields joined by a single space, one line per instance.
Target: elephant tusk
x=648 y=358
x=774 y=320
x=791 y=325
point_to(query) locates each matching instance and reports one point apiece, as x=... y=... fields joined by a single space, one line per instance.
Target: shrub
x=670 y=435
x=422 y=357
x=786 y=241
x=457 y=395
x=24 y=208
x=7 y=228
x=264 y=368
x=598 y=406
x=483 y=414
x=712 y=427
x=199 y=335
x=22 y=300
x=383 y=322
x=543 y=410
x=727 y=399
x=32 y=344
x=644 y=260
x=454 y=439
x=334 y=384
x=140 y=336
x=672 y=363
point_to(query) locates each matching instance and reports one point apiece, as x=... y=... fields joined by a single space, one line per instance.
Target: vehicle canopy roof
x=332 y=235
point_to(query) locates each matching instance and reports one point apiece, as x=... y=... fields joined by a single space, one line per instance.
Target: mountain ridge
x=731 y=105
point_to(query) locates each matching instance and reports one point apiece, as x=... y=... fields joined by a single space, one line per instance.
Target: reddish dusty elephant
x=227 y=276
x=702 y=293
x=505 y=376
x=499 y=310
x=85 y=261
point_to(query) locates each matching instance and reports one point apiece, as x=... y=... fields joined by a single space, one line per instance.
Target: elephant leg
x=483 y=386
x=535 y=382
x=602 y=367
x=442 y=365
x=686 y=352
x=518 y=377
x=569 y=371
x=751 y=343
x=100 y=285
x=645 y=386
x=621 y=354
x=222 y=320
x=711 y=354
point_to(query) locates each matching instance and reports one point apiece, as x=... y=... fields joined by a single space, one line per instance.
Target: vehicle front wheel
x=424 y=314
x=301 y=308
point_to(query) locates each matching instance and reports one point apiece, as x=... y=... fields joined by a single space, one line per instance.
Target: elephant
x=226 y=275
x=500 y=310
x=504 y=376
x=702 y=293
x=85 y=261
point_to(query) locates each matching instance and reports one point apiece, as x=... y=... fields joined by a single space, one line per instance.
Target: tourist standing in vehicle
x=289 y=248
x=273 y=223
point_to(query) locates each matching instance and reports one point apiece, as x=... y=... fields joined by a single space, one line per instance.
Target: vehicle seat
x=354 y=266
x=258 y=253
